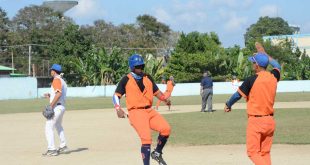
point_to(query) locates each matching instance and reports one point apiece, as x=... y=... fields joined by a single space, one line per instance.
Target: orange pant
x=143 y=120
x=167 y=95
x=259 y=136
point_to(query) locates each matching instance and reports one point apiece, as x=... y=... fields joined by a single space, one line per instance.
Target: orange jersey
x=134 y=97
x=261 y=96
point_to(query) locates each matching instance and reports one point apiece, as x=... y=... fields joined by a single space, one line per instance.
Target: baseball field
x=96 y=136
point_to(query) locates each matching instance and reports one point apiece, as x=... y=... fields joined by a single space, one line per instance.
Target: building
x=302 y=41
x=5 y=71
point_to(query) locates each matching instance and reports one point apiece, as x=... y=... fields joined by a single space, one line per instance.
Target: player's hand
x=226 y=109
x=259 y=47
x=120 y=112
x=168 y=102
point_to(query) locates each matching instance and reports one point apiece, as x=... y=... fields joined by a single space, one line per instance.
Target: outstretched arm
x=274 y=63
x=163 y=98
x=116 y=101
x=233 y=99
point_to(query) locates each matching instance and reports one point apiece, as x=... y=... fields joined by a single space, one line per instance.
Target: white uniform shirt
x=58 y=85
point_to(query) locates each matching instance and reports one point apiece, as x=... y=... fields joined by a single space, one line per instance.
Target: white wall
x=18 y=88
x=181 y=89
x=26 y=88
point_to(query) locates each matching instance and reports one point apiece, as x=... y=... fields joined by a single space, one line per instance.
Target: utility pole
x=29 y=61
x=12 y=60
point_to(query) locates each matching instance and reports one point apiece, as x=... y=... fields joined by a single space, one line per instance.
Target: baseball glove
x=48 y=112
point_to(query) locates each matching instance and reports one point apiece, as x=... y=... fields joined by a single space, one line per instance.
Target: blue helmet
x=56 y=67
x=135 y=60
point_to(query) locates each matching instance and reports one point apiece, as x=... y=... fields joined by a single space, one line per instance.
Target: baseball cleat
x=50 y=153
x=158 y=157
x=63 y=149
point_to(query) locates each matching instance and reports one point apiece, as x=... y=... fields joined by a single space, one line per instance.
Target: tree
x=70 y=46
x=35 y=25
x=195 y=53
x=4 y=27
x=266 y=26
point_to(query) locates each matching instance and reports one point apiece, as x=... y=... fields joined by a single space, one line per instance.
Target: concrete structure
x=302 y=41
x=60 y=6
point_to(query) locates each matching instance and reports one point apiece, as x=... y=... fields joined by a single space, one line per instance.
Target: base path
x=97 y=137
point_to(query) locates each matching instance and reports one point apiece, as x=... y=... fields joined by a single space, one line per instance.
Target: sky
x=228 y=18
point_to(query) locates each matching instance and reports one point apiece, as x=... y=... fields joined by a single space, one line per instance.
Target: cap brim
x=251 y=59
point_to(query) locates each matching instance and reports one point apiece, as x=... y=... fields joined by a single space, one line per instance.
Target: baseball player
x=140 y=89
x=169 y=89
x=57 y=97
x=259 y=91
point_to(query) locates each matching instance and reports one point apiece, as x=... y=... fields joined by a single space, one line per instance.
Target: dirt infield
x=98 y=137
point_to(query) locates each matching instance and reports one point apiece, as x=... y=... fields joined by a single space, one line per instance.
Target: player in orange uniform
x=169 y=89
x=140 y=89
x=259 y=91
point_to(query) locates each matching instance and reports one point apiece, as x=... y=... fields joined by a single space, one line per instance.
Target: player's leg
x=49 y=134
x=266 y=142
x=60 y=110
x=253 y=142
x=209 y=99
x=204 y=100
x=158 y=123
x=139 y=120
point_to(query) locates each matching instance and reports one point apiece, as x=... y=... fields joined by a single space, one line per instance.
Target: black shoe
x=50 y=153
x=158 y=157
x=63 y=150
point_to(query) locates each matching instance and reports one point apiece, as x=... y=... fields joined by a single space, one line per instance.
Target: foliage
x=266 y=26
x=97 y=54
x=4 y=27
x=195 y=53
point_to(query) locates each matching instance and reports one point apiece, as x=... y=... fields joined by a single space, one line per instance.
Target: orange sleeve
x=118 y=94
x=57 y=85
x=242 y=94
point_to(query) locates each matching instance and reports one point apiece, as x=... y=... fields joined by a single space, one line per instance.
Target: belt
x=58 y=104
x=262 y=115
x=146 y=107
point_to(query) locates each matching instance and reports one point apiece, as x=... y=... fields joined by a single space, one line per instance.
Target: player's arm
x=57 y=89
x=119 y=92
x=233 y=99
x=274 y=63
x=158 y=93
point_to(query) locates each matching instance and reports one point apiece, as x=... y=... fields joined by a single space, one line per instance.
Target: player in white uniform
x=57 y=97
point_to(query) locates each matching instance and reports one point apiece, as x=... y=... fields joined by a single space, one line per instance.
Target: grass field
x=195 y=128
x=36 y=105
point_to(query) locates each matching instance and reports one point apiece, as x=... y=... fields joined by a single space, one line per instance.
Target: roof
x=4 y=68
x=17 y=75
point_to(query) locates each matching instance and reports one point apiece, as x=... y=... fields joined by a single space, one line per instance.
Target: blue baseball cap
x=261 y=59
x=56 y=67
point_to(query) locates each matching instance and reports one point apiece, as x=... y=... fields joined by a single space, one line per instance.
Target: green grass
x=35 y=105
x=196 y=128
